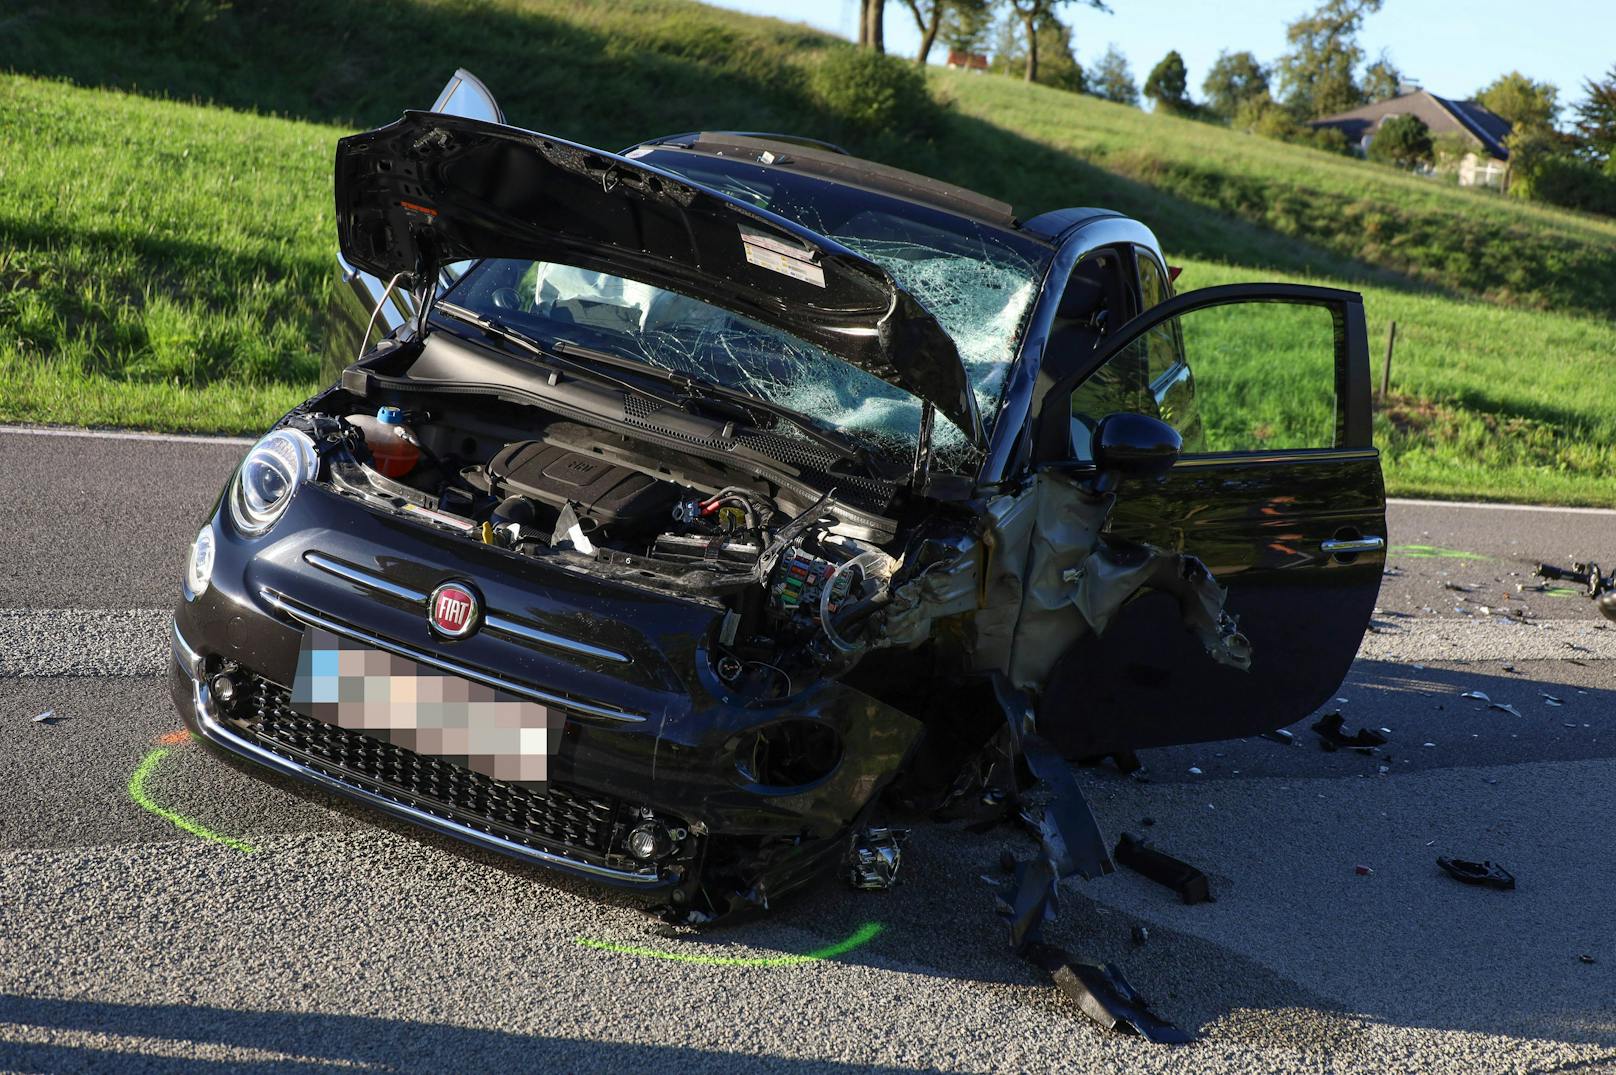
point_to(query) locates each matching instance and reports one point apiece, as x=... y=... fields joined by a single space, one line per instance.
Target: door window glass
x=1162 y=350
x=1263 y=380
x=1264 y=375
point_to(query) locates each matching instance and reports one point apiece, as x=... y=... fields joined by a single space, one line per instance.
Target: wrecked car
x=680 y=514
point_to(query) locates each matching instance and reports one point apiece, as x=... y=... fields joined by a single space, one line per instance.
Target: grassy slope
x=165 y=265
x=161 y=265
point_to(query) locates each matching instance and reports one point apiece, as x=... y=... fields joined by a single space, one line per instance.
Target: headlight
x=199 y=568
x=268 y=477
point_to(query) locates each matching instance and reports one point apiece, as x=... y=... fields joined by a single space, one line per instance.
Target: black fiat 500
x=679 y=512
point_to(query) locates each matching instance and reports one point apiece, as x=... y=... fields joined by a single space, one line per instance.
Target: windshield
x=978 y=281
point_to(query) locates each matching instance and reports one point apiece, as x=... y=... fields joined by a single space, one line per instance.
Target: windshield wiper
x=495 y=327
x=700 y=390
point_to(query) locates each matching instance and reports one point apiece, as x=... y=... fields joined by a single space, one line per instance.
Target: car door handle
x=1336 y=546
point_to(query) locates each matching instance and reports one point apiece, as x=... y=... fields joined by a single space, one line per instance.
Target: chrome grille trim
x=492 y=620
x=308 y=617
x=363 y=578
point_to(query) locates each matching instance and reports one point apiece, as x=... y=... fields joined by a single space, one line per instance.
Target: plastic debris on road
x=1332 y=736
x=1485 y=874
x=1190 y=883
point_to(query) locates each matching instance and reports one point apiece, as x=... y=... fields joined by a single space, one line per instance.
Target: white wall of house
x=1477 y=170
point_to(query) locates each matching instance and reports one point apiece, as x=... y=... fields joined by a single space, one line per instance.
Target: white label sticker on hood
x=781 y=256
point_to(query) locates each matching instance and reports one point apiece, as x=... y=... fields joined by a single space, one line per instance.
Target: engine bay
x=792 y=576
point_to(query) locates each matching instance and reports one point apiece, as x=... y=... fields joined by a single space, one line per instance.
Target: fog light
x=199 y=568
x=223 y=687
x=649 y=842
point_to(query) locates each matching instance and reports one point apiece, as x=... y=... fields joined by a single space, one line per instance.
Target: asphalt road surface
x=161 y=911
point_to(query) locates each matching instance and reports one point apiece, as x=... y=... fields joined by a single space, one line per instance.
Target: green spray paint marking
x=1427 y=552
x=862 y=936
x=137 y=792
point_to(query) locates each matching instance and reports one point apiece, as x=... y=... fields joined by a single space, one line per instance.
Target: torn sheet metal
x=1078 y=579
x=1115 y=572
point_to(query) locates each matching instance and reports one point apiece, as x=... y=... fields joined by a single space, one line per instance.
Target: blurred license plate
x=398 y=701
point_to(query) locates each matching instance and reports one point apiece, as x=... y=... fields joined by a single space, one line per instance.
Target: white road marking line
x=1403 y=503
x=121 y=434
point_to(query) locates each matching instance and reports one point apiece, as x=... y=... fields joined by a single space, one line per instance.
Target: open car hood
x=432 y=189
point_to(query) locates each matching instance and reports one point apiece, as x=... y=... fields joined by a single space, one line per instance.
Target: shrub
x=1572 y=183
x=873 y=93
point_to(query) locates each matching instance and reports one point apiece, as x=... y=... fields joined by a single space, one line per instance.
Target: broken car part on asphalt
x=1333 y=737
x=1105 y=996
x=1600 y=587
x=1190 y=883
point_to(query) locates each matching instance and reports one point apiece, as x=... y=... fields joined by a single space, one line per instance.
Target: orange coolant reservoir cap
x=392 y=444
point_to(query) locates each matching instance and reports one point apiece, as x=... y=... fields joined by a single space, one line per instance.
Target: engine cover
x=608 y=493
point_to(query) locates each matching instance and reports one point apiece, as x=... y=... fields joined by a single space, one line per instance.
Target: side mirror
x=1135 y=445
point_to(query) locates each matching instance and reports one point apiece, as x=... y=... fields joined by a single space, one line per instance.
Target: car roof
x=792 y=153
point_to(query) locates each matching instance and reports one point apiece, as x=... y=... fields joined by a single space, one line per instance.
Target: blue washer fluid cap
x=390 y=416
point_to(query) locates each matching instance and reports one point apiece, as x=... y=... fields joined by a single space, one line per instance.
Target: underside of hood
x=432 y=189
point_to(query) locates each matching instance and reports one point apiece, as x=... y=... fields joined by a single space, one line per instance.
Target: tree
x=1113 y=80
x=1234 y=78
x=1167 y=84
x=928 y=19
x=1401 y=140
x=1596 y=119
x=1525 y=103
x=966 y=24
x=872 y=24
x=1382 y=80
x=1316 y=77
x=1035 y=14
x=1057 y=66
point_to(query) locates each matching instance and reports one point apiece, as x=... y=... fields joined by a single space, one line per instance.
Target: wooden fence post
x=1386 y=369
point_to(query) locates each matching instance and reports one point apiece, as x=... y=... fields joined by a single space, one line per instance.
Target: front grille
x=558 y=819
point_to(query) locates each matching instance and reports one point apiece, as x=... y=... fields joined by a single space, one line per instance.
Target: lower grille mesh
x=557 y=819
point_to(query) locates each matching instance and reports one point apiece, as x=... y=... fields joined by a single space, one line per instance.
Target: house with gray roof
x=1483 y=132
